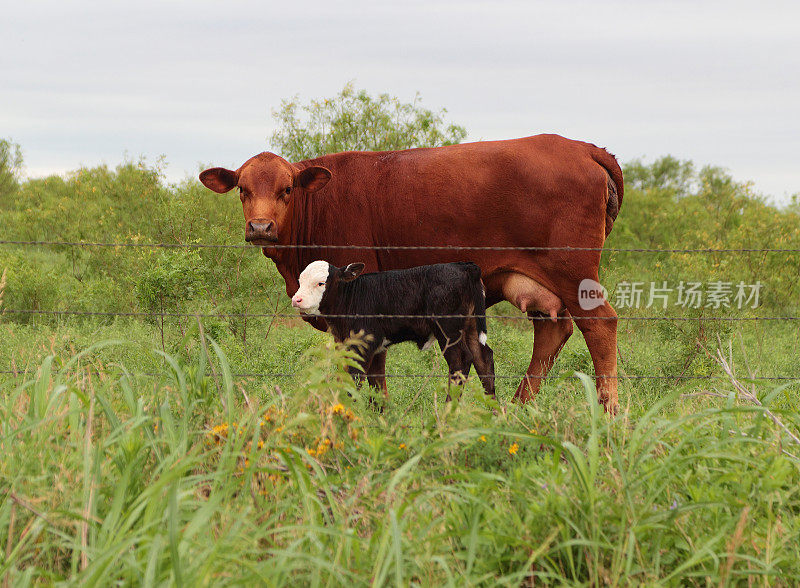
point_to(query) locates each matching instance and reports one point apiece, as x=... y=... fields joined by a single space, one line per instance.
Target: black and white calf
x=421 y=296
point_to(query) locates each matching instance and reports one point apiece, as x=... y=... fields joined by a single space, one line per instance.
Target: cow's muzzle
x=260 y=231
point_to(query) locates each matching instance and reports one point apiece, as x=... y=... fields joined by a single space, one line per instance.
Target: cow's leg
x=599 y=329
x=376 y=373
x=549 y=337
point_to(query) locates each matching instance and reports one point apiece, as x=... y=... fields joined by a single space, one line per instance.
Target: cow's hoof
x=611 y=408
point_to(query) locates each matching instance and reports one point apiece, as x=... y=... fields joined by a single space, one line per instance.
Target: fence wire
x=276 y=315
x=410 y=376
x=405 y=247
x=280 y=315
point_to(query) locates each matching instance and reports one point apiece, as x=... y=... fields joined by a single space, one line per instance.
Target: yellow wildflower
x=219 y=432
x=310 y=451
x=220 y=429
x=338 y=409
x=402 y=446
x=513 y=449
x=482 y=438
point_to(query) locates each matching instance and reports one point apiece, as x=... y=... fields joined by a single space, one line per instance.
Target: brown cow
x=538 y=192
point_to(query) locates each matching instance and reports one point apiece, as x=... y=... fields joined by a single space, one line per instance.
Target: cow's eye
x=321 y=284
x=288 y=189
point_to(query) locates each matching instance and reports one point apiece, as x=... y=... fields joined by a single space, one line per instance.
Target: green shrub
x=171 y=278
x=10 y=169
x=31 y=283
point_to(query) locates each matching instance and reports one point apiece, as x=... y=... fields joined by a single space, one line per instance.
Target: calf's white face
x=312 y=287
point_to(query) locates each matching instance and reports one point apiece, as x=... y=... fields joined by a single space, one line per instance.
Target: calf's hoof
x=377 y=403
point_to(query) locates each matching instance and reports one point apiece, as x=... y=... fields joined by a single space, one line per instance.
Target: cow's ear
x=312 y=178
x=219 y=179
x=352 y=271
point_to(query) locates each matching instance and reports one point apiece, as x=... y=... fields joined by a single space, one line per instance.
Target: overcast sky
x=85 y=83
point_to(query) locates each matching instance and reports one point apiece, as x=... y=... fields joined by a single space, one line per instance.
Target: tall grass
x=194 y=479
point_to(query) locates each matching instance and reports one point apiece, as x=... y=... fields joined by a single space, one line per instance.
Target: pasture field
x=164 y=447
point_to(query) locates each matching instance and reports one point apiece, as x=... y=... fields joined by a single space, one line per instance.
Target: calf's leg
x=482 y=357
x=459 y=360
x=376 y=373
x=357 y=373
x=457 y=356
x=363 y=371
x=365 y=352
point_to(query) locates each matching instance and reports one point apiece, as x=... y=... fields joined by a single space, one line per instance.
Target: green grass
x=114 y=477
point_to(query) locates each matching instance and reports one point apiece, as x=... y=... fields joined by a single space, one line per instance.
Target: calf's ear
x=219 y=179
x=352 y=271
x=312 y=178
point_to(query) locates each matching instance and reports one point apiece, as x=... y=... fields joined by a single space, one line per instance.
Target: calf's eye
x=289 y=189
x=321 y=284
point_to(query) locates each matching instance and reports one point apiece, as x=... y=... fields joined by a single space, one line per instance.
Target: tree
x=10 y=167
x=665 y=173
x=355 y=121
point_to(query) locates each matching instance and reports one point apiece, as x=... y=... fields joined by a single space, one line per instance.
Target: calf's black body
x=444 y=302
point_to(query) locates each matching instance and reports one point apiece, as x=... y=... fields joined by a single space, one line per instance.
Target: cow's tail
x=479 y=301
x=615 y=184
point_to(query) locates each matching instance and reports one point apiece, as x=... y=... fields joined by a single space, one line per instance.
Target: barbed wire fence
x=295 y=316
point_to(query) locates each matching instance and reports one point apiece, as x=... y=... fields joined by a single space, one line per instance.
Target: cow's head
x=266 y=183
x=321 y=279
